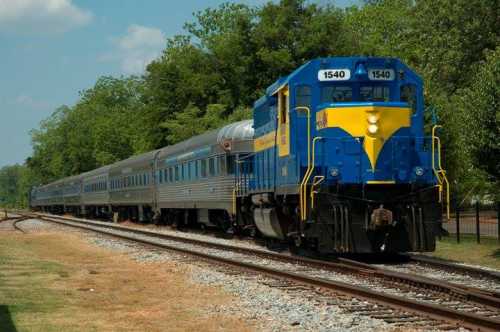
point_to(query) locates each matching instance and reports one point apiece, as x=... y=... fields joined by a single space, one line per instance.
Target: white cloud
x=41 y=16
x=138 y=47
x=31 y=103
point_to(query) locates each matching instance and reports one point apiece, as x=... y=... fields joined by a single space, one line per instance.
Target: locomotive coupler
x=381 y=222
x=380 y=218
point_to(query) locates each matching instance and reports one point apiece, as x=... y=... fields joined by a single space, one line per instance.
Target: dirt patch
x=75 y=286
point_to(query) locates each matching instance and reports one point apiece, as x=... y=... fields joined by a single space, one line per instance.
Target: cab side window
x=303 y=96
x=408 y=94
x=283 y=107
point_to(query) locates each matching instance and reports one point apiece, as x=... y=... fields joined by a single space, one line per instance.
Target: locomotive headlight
x=372 y=119
x=372 y=129
x=419 y=171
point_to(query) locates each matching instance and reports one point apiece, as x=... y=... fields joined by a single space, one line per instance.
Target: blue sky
x=52 y=49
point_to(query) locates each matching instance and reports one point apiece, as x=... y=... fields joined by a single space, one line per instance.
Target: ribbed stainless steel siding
x=132 y=196
x=95 y=198
x=218 y=190
x=72 y=199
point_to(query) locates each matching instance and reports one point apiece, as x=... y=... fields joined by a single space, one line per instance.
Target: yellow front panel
x=354 y=120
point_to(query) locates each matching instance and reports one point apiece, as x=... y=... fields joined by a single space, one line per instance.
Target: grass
x=56 y=281
x=487 y=253
x=23 y=295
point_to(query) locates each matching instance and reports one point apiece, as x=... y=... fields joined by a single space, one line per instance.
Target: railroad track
x=442 y=264
x=14 y=220
x=444 y=305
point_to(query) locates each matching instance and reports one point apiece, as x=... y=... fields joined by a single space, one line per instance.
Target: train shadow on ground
x=6 y=321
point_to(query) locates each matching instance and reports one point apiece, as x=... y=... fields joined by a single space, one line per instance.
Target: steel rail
x=479 y=296
x=436 y=312
x=453 y=266
x=15 y=220
x=18 y=220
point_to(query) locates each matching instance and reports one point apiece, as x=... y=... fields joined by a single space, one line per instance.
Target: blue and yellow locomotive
x=341 y=162
x=335 y=161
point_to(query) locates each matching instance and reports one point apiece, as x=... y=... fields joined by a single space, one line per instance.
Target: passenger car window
x=203 y=168
x=222 y=164
x=230 y=164
x=336 y=94
x=211 y=167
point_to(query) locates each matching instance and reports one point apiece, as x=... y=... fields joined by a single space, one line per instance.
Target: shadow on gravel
x=6 y=323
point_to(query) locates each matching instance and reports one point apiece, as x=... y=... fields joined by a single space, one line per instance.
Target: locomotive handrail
x=439 y=172
x=438 y=140
x=304 y=180
x=316 y=182
x=307 y=176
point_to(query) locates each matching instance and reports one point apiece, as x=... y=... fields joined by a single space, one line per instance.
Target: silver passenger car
x=199 y=173
x=131 y=184
x=49 y=197
x=71 y=193
x=194 y=180
x=95 y=192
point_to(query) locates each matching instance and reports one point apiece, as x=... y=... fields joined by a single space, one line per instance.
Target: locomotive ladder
x=439 y=172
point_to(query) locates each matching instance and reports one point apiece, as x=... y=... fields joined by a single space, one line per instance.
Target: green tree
x=103 y=127
x=478 y=108
x=13 y=189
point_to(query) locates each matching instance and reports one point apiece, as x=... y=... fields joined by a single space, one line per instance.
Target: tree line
x=212 y=73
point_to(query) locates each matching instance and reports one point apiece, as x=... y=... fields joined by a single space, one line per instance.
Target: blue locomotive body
x=338 y=143
x=339 y=121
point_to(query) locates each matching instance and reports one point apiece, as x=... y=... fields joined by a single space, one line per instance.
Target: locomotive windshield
x=374 y=93
x=336 y=94
x=344 y=93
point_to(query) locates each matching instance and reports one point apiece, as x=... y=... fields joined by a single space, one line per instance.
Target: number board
x=334 y=74
x=381 y=74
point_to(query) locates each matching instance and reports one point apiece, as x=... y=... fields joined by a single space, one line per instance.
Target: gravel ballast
x=275 y=308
